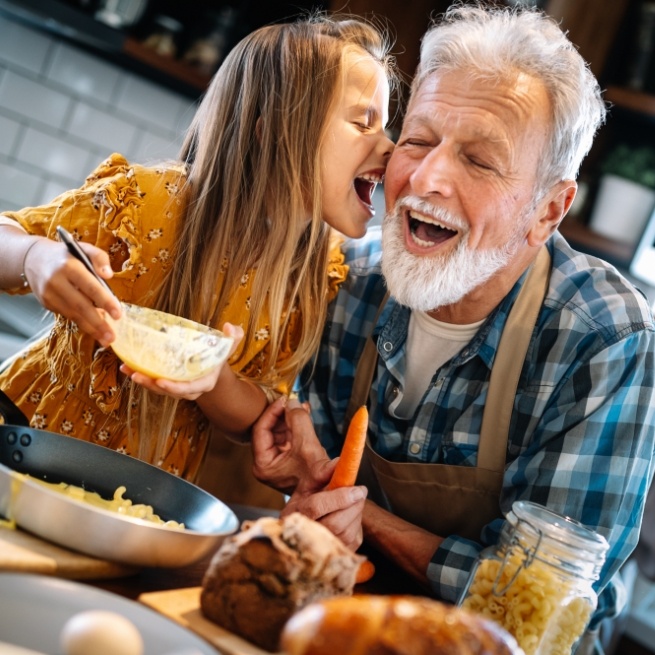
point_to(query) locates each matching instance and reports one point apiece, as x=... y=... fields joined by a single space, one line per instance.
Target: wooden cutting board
x=27 y=553
x=183 y=606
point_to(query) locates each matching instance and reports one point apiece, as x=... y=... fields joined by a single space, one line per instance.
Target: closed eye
x=480 y=164
x=414 y=142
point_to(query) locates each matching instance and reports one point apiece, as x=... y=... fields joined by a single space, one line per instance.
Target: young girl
x=287 y=143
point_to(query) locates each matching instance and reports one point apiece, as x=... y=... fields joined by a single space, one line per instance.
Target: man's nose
x=433 y=173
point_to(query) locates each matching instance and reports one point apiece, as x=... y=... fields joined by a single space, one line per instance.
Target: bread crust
x=392 y=625
x=272 y=568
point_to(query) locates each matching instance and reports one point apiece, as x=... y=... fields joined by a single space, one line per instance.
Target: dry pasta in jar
x=537 y=583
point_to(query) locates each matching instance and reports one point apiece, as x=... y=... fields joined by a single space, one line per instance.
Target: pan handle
x=10 y=412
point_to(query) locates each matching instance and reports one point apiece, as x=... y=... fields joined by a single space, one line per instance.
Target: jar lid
x=551 y=527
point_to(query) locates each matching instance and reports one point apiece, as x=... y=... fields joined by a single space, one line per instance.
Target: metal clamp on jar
x=537 y=582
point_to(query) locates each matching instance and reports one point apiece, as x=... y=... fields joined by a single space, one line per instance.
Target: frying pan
x=92 y=530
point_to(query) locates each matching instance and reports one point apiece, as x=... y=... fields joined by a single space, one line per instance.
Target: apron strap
x=505 y=372
x=508 y=364
x=365 y=370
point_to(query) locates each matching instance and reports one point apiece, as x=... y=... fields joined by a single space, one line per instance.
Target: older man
x=504 y=365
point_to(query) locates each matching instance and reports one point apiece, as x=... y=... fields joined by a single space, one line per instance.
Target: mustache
x=422 y=206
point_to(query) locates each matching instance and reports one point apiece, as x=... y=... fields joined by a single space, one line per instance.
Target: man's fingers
x=323 y=469
x=339 y=510
x=266 y=424
x=321 y=503
x=298 y=419
x=347 y=525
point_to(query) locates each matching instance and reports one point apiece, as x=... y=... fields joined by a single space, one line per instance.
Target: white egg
x=99 y=632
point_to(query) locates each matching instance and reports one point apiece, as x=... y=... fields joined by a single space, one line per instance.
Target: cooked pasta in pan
x=117 y=504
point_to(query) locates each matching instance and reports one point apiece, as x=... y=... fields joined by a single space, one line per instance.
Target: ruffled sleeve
x=337 y=271
x=132 y=213
x=109 y=211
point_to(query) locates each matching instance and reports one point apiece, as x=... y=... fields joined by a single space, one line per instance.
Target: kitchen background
x=80 y=79
x=70 y=95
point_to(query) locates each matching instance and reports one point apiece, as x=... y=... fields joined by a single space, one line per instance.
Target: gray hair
x=500 y=43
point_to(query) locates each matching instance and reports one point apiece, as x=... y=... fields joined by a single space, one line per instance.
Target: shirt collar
x=393 y=325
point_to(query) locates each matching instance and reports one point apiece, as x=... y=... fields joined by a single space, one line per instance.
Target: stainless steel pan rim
x=96 y=531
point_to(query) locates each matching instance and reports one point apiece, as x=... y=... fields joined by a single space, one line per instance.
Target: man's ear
x=552 y=209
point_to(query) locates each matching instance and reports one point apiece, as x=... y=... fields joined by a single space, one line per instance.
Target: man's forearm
x=405 y=544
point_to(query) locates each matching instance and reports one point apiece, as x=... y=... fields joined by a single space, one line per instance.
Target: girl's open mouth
x=365 y=186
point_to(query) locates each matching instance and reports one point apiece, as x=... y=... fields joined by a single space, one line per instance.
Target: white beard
x=427 y=283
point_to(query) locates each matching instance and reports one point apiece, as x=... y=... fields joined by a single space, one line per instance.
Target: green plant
x=632 y=163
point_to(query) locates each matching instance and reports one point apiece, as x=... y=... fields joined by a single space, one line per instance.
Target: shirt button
x=465 y=352
x=387 y=346
x=415 y=449
x=396 y=391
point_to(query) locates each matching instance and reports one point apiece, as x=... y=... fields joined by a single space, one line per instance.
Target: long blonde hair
x=253 y=154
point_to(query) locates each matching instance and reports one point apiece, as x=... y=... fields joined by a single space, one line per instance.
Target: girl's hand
x=62 y=285
x=192 y=389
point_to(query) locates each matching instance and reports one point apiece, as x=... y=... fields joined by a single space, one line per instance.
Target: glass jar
x=537 y=582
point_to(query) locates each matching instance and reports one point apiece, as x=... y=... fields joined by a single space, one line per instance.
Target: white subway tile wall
x=63 y=110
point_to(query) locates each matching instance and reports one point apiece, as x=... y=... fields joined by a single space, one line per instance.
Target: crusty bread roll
x=259 y=577
x=392 y=625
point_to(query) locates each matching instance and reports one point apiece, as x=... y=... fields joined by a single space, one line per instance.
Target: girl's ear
x=553 y=208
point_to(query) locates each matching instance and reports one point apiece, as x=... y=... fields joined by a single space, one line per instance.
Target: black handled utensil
x=77 y=252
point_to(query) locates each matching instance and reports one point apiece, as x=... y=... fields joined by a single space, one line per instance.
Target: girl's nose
x=387 y=147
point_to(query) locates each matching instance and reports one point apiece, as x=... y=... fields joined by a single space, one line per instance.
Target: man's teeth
x=420 y=242
x=432 y=221
x=433 y=230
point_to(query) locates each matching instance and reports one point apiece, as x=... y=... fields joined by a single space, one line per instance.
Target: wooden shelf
x=115 y=45
x=583 y=238
x=643 y=103
x=171 y=67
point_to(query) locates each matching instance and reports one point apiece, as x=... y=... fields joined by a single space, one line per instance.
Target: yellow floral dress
x=66 y=382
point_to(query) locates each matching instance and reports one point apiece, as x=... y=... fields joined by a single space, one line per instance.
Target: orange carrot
x=365 y=572
x=345 y=472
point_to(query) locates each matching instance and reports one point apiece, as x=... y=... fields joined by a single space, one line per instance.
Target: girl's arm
x=63 y=285
x=233 y=405
x=230 y=403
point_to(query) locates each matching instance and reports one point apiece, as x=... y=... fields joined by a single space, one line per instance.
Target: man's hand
x=339 y=510
x=289 y=457
x=286 y=451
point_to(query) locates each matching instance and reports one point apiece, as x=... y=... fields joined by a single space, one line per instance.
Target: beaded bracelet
x=23 y=277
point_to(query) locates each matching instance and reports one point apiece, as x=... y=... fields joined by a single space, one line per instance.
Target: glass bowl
x=162 y=345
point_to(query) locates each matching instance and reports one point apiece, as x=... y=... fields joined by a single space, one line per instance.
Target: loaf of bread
x=392 y=625
x=259 y=577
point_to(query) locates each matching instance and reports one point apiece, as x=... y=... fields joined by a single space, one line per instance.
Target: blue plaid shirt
x=582 y=433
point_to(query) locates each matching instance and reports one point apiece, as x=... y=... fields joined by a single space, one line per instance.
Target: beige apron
x=447 y=499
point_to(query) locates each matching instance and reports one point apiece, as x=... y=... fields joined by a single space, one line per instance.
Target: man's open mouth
x=427 y=231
